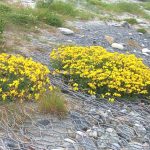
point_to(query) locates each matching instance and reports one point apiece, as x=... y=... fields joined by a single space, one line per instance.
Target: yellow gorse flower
x=22 y=77
x=97 y=71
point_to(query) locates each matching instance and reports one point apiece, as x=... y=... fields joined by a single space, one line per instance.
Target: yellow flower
x=97 y=71
x=4 y=96
x=22 y=76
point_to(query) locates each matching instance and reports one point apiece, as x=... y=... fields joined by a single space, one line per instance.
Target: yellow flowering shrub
x=22 y=78
x=98 y=72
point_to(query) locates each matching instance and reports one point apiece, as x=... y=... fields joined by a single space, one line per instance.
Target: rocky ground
x=90 y=124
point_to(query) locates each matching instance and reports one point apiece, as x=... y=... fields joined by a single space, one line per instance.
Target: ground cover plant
x=22 y=78
x=96 y=71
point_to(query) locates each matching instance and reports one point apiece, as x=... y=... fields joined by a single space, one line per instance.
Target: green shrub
x=142 y=30
x=49 y=18
x=58 y=7
x=131 y=21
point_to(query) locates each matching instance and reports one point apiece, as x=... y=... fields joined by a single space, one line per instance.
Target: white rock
x=142 y=45
x=146 y=54
x=59 y=148
x=80 y=134
x=92 y=133
x=66 y=31
x=69 y=140
x=118 y=46
x=145 y=50
x=110 y=130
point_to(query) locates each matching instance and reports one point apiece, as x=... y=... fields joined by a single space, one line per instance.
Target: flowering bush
x=99 y=72
x=22 y=78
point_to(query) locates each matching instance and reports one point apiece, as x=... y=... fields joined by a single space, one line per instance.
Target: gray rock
x=87 y=143
x=146 y=146
x=116 y=146
x=124 y=111
x=10 y=143
x=59 y=148
x=140 y=130
x=43 y=122
x=100 y=132
x=80 y=122
x=66 y=31
x=108 y=139
x=110 y=130
x=126 y=132
x=135 y=146
x=71 y=134
x=80 y=134
x=125 y=25
x=69 y=140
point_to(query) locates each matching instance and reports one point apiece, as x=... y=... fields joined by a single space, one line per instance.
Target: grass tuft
x=53 y=102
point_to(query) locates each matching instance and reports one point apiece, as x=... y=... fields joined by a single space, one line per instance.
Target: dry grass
x=13 y=114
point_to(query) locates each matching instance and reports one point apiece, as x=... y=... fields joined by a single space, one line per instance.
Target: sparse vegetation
x=121 y=7
x=146 y=5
